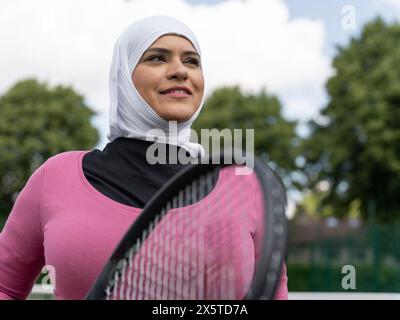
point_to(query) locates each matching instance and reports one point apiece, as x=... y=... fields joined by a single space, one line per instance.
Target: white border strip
x=39 y=289
x=343 y=296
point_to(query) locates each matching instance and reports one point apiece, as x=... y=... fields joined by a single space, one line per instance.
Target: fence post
x=375 y=244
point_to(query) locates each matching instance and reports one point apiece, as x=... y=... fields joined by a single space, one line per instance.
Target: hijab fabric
x=130 y=115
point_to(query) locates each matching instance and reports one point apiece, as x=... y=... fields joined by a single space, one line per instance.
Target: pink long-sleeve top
x=60 y=220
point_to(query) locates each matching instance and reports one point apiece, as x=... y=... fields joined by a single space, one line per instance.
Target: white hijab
x=130 y=115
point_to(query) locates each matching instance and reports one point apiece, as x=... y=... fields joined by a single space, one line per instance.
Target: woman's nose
x=177 y=70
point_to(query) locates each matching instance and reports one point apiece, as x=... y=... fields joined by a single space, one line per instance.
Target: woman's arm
x=21 y=242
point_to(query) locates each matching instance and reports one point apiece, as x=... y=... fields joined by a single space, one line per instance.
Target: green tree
x=36 y=123
x=311 y=204
x=275 y=138
x=357 y=149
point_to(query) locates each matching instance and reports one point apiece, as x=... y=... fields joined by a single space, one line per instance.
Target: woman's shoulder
x=61 y=168
x=63 y=159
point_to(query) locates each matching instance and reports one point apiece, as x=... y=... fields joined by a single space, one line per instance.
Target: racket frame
x=271 y=257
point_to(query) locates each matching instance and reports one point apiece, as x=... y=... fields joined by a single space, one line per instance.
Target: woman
x=75 y=208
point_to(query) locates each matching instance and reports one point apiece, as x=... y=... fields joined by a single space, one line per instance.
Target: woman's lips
x=176 y=95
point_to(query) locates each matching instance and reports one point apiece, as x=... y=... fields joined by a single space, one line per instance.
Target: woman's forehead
x=173 y=41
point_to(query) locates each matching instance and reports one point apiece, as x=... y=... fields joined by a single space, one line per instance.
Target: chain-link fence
x=373 y=250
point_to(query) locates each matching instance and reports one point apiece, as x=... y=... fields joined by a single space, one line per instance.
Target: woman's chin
x=179 y=115
x=178 y=118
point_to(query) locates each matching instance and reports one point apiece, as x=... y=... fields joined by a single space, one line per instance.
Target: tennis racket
x=216 y=230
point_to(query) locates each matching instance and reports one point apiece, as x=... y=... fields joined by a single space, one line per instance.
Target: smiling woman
x=76 y=207
x=152 y=56
x=170 y=79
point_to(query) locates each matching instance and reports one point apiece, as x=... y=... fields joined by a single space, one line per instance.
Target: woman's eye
x=159 y=58
x=155 y=58
x=194 y=61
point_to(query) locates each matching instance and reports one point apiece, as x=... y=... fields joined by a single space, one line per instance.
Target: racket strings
x=186 y=271
x=166 y=296
x=172 y=261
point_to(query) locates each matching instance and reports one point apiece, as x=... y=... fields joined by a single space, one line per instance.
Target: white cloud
x=252 y=43
x=393 y=2
x=394 y=6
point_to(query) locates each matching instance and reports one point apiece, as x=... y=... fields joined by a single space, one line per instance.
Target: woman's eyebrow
x=167 y=51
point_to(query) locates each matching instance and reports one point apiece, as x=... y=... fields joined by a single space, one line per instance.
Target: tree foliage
x=357 y=149
x=37 y=122
x=275 y=137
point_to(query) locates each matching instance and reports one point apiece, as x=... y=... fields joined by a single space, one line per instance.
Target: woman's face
x=169 y=62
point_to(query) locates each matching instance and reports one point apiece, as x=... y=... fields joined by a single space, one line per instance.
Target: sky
x=285 y=46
